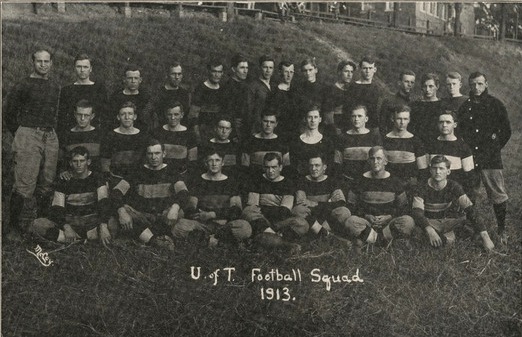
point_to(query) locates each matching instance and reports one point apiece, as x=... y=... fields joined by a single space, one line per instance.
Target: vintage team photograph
x=307 y=169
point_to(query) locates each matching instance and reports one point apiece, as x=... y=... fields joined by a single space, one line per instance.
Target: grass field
x=133 y=290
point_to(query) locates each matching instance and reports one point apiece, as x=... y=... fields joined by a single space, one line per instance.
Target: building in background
x=429 y=17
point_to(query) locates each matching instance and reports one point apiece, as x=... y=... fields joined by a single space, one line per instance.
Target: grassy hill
x=131 y=290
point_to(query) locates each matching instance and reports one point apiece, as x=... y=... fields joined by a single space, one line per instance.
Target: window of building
x=433 y=8
x=388 y=6
x=442 y=11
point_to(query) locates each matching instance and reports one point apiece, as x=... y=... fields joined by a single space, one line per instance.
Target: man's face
x=269 y=124
x=346 y=74
x=175 y=76
x=79 y=164
x=453 y=85
x=313 y=118
x=215 y=74
x=368 y=70
x=155 y=156
x=309 y=72
x=214 y=163
x=126 y=116
x=287 y=74
x=401 y=120
x=406 y=83
x=377 y=161
x=132 y=80
x=241 y=71
x=174 y=116
x=446 y=125
x=42 y=63
x=429 y=89
x=359 y=118
x=478 y=85
x=272 y=169
x=317 y=168
x=83 y=117
x=223 y=130
x=439 y=172
x=83 y=69
x=267 y=70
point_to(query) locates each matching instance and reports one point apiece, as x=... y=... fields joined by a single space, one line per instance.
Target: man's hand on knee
x=434 y=237
x=105 y=235
x=124 y=218
x=70 y=234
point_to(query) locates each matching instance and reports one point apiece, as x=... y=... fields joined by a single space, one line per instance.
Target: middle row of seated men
x=361 y=187
x=121 y=150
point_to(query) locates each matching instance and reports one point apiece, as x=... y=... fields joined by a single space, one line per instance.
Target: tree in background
x=498 y=19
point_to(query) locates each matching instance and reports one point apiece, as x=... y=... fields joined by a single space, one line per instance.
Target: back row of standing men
x=253 y=112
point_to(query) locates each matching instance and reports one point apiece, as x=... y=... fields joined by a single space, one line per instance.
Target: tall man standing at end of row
x=484 y=125
x=31 y=115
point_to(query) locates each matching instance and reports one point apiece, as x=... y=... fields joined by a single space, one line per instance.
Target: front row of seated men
x=155 y=205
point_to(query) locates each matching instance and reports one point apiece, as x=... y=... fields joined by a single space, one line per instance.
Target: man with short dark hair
x=322 y=202
x=222 y=143
x=132 y=80
x=352 y=146
x=484 y=125
x=365 y=92
x=84 y=134
x=214 y=207
x=284 y=99
x=378 y=200
x=121 y=150
x=455 y=150
x=270 y=201
x=425 y=112
x=309 y=90
x=207 y=102
x=171 y=91
x=179 y=142
x=82 y=88
x=148 y=200
x=80 y=208
x=260 y=91
x=335 y=121
x=402 y=97
x=440 y=205
x=261 y=143
x=235 y=94
x=407 y=157
x=31 y=115
x=309 y=143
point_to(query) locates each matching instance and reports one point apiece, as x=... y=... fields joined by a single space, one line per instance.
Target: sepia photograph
x=278 y=169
